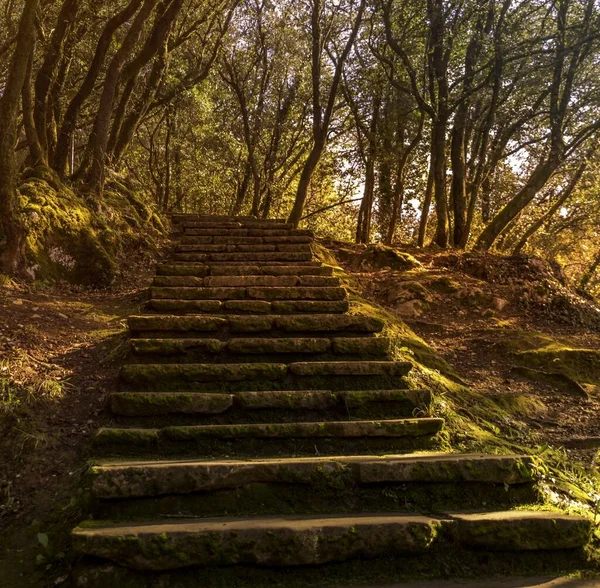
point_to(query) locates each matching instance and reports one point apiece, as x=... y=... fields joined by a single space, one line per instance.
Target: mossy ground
x=81 y=242
x=480 y=419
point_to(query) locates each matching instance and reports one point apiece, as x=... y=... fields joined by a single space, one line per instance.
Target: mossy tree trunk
x=13 y=230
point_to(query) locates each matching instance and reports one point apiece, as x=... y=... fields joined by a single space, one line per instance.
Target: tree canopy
x=470 y=124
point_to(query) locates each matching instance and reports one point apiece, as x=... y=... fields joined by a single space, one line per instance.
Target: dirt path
x=59 y=353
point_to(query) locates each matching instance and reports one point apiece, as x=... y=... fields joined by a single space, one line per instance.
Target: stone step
x=244 y=281
x=188 y=347
x=262 y=233
x=207 y=218
x=244 y=293
x=140 y=478
x=221 y=240
x=174 y=306
x=308 y=541
x=264 y=376
x=403 y=402
x=251 y=257
x=205 y=248
x=284 y=281
x=246 y=224
x=306 y=323
x=269 y=541
x=244 y=438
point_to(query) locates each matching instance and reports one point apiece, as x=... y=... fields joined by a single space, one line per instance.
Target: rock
x=409 y=309
x=380 y=256
x=499 y=304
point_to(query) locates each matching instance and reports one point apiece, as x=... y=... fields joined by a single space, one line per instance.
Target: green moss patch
x=69 y=239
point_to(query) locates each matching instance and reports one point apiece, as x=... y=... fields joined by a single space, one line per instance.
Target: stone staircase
x=264 y=436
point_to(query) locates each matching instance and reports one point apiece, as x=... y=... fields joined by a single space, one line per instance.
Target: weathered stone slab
x=238 y=281
x=329 y=323
x=178 y=281
x=310 y=306
x=151 y=375
x=350 y=368
x=361 y=346
x=444 y=467
x=247 y=306
x=176 y=323
x=296 y=293
x=278 y=345
x=198 y=293
x=170 y=347
x=293 y=541
x=137 y=404
x=188 y=269
x=186 y=306
x=522 y=530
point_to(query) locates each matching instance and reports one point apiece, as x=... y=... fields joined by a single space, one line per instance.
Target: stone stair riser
x=247 y=307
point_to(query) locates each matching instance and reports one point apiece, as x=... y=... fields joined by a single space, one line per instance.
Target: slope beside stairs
x=264 y=436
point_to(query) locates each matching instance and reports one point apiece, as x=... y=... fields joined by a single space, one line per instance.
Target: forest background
x=471 y=124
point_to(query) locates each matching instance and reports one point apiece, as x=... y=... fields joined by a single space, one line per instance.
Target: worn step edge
x=149 y=373
x=140 y=437
x=299 y=541
x=248 y=307
x=169 y=347
x=146 y=478
x=269 y=541
x=198 y=403
x=289 y=323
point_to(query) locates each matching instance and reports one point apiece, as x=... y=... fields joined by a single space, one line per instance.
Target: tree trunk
x=14 y=232
x=242 y=191
x=426 y=207
x=438 y=167
x=36 y=153
x=72 y=113
x=535 y=183
x=99 y=136
x=589 y=273
x=566 y=194
x=49 y=68
x=304 y=182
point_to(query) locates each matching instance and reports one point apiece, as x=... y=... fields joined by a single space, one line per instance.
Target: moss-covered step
x=272 y=232
x=522 y=530
x=280 y=256
x=310 y=306
x=306 y=323
x=262 y=349
x=319 y=375
x=270 y=270
x=223 y=239
x=174 y=306
x=176 y=347
x=192 y=323
x=350 y=368
x=273 y=405
x=183 y=291
x=288 y=281
x=296 y=293
x=165 y=305
x=264 y=248
x=198 y=270
x=197 y=434
x=192 y=224
x=141 y=478
x=272 y=541
x=157 y=375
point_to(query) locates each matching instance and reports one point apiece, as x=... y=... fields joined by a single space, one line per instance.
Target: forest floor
x=60 y=350
x=490 y=317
